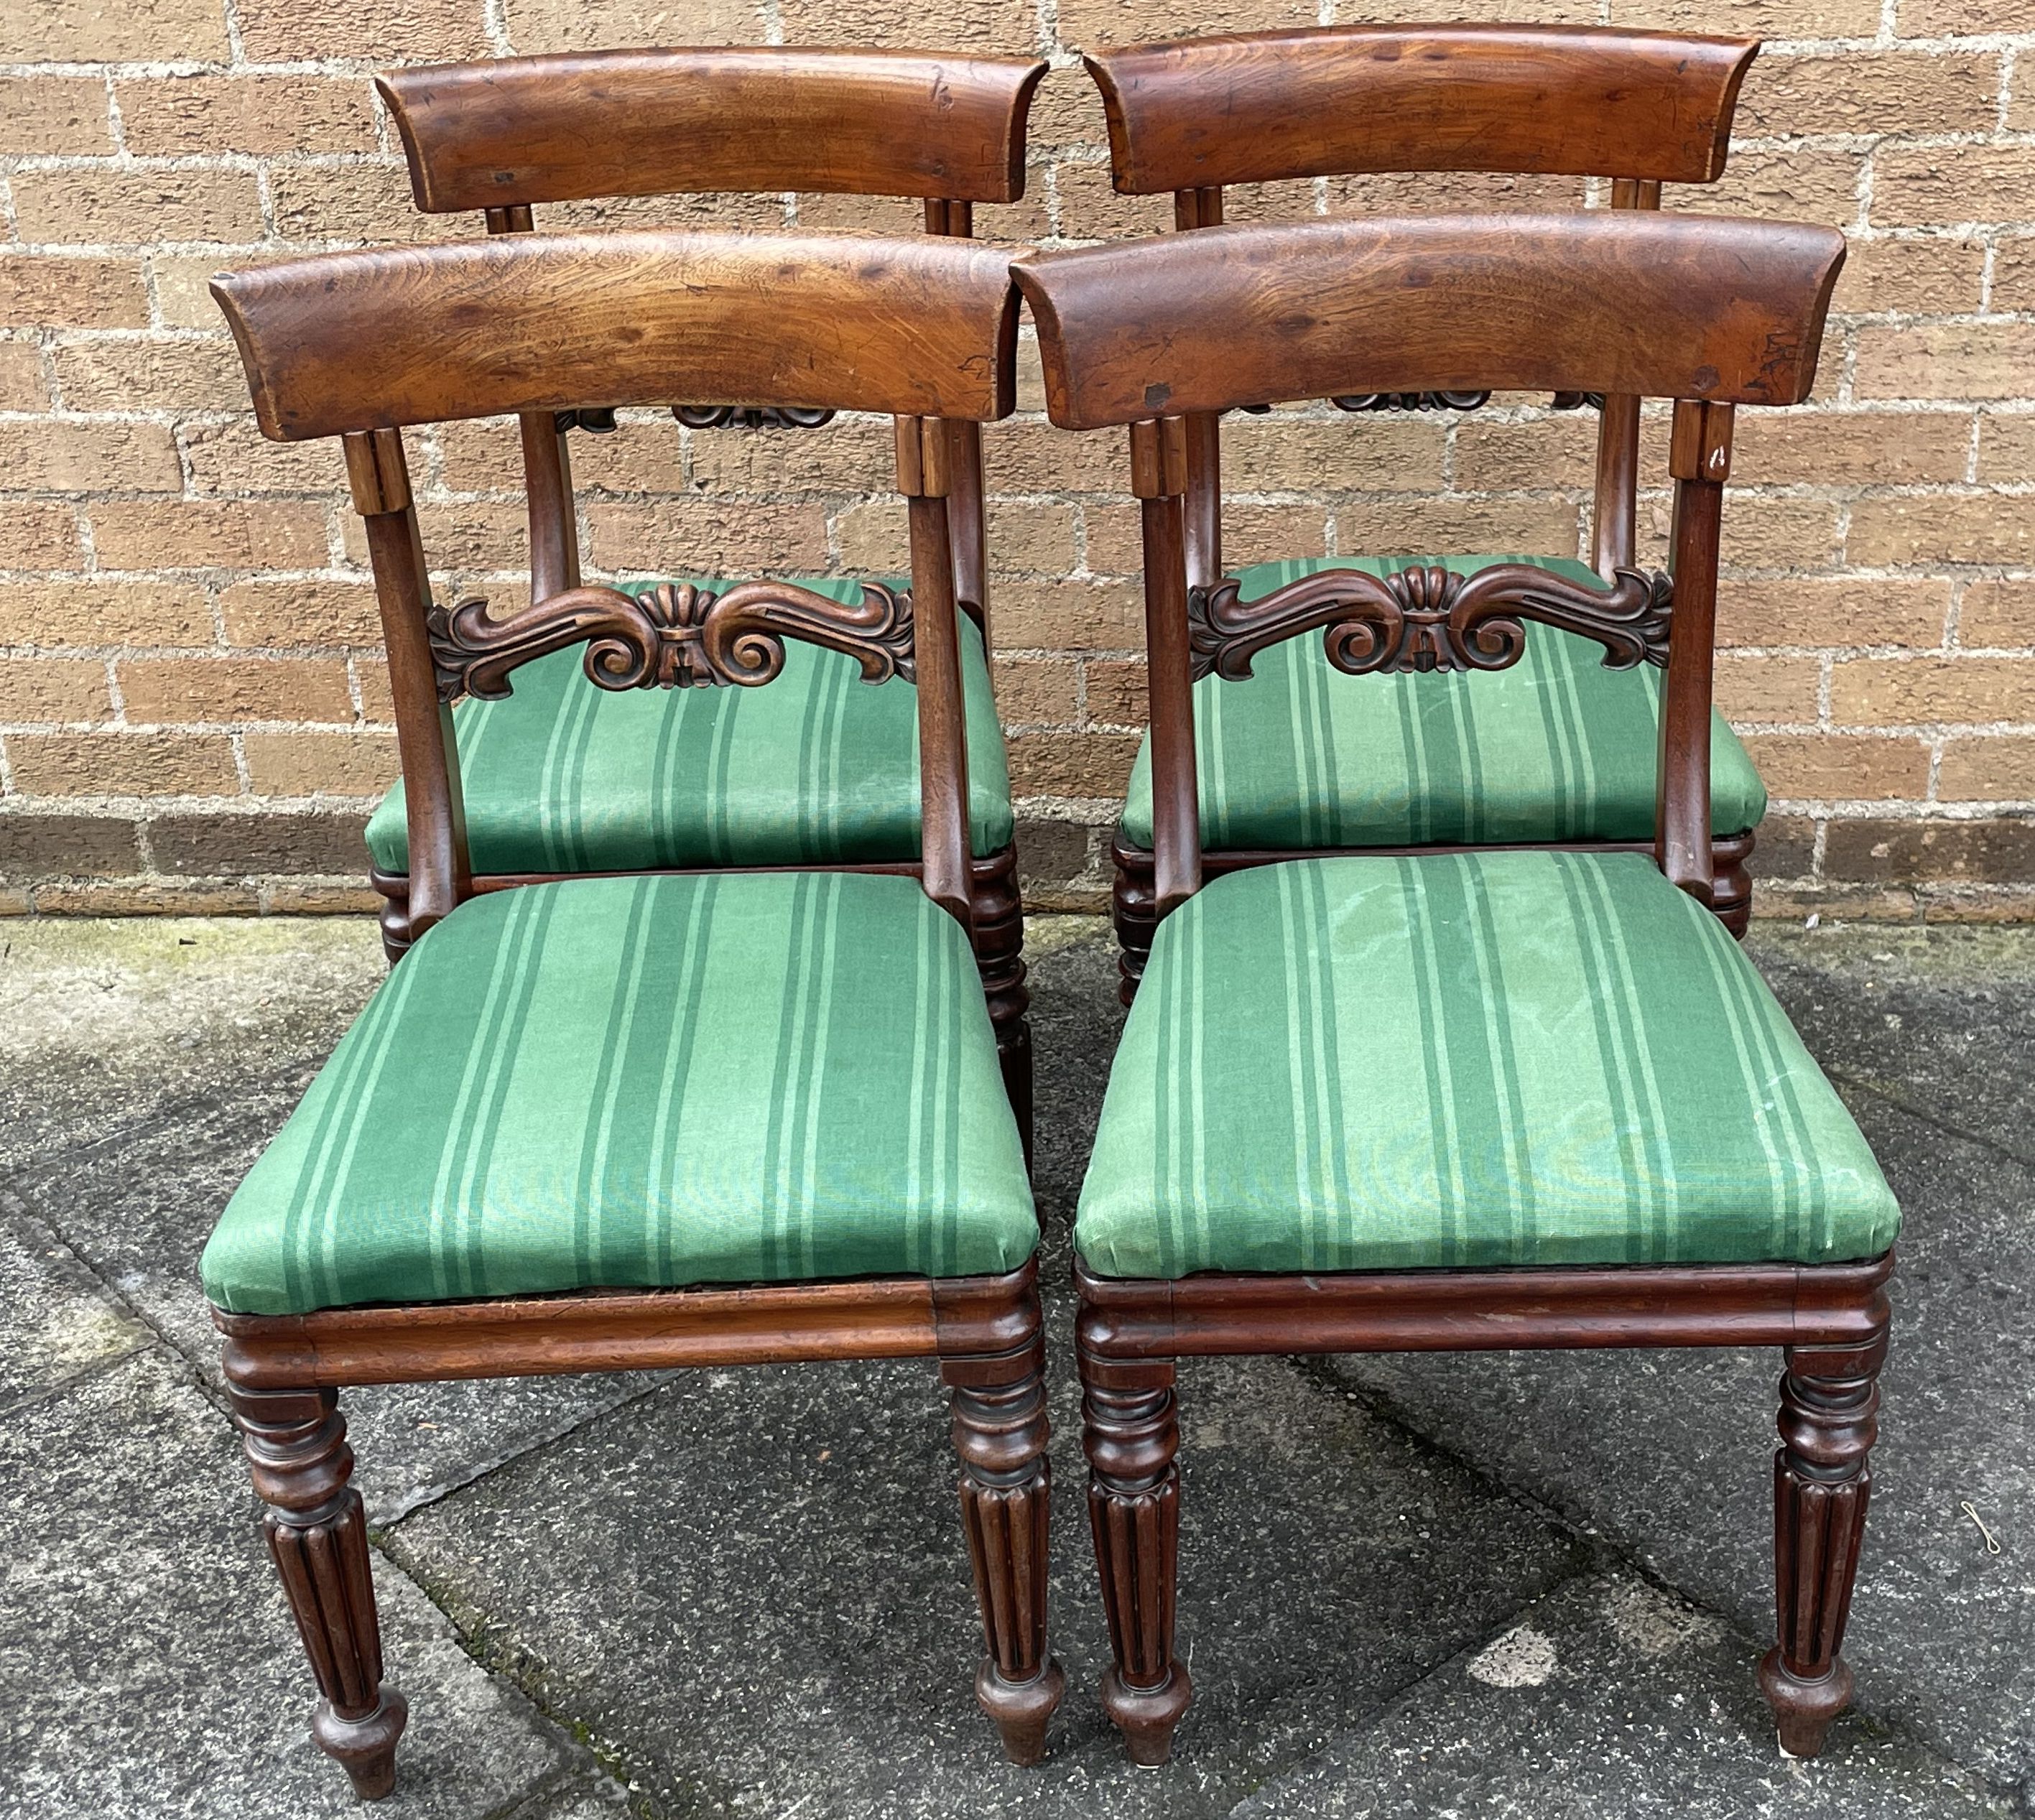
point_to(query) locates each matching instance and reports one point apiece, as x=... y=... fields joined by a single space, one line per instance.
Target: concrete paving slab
x=1940 y=1020
x=1666 y=1454
x=102 y=1024
x=750 y=1587
x=56 y=1320
x=1609 y=1698
x=150 y=1662
x=136 y=1185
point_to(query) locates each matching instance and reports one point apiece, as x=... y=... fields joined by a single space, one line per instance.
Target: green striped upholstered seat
x=1484 y=1059
x=640 y=1081
x=818 y=768
x=1557 y=747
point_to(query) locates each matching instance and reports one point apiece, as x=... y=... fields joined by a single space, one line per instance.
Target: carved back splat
x=1732 y=313
x=1429 y=619
x=357 y=344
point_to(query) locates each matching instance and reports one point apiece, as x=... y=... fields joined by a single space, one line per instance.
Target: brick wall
x=192 y=711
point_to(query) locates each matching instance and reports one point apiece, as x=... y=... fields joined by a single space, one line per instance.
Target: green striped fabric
x=1555 y=748
x=818 y=768
x=1482 y=1059
x=718 y=1078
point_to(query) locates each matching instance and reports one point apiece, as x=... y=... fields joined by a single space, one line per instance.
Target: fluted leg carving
x=1000 y=955
x=1829 y=1404
x=1131 y=1434
x=1000 y=1432
x=295 y=1443
x=1132 y=906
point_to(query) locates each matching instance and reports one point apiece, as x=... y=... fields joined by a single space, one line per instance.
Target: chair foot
x=1021 y=1708
x=295 y=1445
x=1803 y=1710
x=365 y=1747
x=1147 y=1716
x=1000 y=1433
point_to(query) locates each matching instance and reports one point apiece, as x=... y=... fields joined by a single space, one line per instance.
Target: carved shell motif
x=1427 y=619
x=672 y=635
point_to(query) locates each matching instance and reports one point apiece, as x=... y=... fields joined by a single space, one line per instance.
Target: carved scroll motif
x=1412 y=401
x=1430 y=619
x=674 y=636
x=750 y=416
x=599 y=420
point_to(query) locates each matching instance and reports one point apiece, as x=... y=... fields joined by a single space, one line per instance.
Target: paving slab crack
x=1606 y=1553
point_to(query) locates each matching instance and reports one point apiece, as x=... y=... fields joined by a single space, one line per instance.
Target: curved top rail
x=562 y=128
x=1335 y=101
x=344 y=341
x=1655 y=306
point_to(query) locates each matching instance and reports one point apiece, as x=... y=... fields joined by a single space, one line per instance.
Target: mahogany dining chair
x=1467 y=1100
x=1554 y=751
x=563 y=781
x=704 y=1118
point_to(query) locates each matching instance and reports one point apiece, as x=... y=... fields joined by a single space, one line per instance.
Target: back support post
x=1699 y=457
x=1159 y=478
x=1612 y=530
x=441 y=875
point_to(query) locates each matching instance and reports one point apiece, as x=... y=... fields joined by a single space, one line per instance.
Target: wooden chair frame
x=1639 y=108
x=503 y=136
x=1711 y=313
x=360 y=344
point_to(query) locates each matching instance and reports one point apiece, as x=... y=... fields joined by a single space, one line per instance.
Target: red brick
x=21 y=384
x=1858 y=91
x=1078 y=765
x=1925 y=186
x=1946 y=360
x=1980 y=528
x=39 y=534
x=1997 y=613
x=372 y=31
x=158 y=373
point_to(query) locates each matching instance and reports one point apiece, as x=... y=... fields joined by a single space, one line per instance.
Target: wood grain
x=553 y=129
x=1652 y=305
x=349 y=341
x=1320 y=101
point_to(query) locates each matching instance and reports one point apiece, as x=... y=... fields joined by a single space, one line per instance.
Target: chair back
x=503 y=136
x=1711 y=314
x=1642 y=108
x=362 y=345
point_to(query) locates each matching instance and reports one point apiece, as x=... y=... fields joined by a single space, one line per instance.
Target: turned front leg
x=1131 y=1433
x=1829 y=1404
x=295 y=1443
x=1000 y=1432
